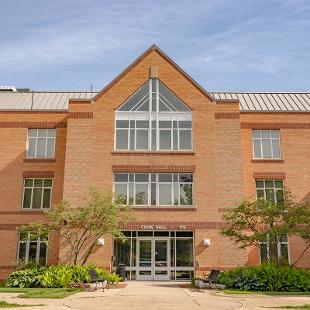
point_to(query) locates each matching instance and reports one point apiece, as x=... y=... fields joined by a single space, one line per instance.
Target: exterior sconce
x=206 y=243
x=100 y=242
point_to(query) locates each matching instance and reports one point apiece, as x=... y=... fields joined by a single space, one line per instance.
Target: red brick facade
x=221 y=161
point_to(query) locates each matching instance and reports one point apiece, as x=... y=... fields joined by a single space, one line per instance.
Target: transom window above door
x=153 y=119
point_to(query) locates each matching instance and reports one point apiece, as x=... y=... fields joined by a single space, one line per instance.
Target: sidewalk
x=158 y=295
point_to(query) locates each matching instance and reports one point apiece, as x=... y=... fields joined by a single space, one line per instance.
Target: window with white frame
x=32 y=249
x=41 y=143
x=153 y=119
x=37 y=193
x=266 y=144
x=164 y=189
x=275 y=249
x=271 y=190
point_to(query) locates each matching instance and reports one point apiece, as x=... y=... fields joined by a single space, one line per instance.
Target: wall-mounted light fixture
x=206 y=243
x=100 y=241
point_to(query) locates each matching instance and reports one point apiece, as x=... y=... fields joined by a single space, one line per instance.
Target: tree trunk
x=89 y=252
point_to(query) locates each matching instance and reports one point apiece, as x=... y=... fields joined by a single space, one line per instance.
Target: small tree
x=261 y=221
x=81 y=226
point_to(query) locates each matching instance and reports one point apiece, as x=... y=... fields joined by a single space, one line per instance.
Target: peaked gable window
x=153 y=119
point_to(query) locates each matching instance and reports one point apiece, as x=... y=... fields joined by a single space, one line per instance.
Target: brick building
x=179 y=154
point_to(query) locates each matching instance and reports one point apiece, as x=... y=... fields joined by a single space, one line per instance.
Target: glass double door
x=153 y=259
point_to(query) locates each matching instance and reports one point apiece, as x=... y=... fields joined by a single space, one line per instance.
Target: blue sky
x=225 y=45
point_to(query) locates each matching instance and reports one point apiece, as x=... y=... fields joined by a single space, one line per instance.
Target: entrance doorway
x=153 y=259
x=155 y=255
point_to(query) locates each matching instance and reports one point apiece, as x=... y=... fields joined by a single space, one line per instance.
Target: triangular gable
x=145 y=99
x=139 y=59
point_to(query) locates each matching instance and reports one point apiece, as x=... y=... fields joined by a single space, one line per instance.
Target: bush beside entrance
x=60 y=276
x=267 y=278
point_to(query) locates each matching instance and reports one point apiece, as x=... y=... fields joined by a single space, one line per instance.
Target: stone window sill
x=151 y=153
x=276 y=161
x=39 y=160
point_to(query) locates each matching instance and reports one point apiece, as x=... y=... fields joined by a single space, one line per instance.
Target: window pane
x=184 y=253
x=142 y=177
x=38 y=182
x=28 y=182
x=280 y=197
x=265 y=133
x=41 y=145
x=185 y=124
x=257 y=149
x=32 y=251
x=36 y=200
x=132 y=139
x=31 y=147
x=50 y=148
x=269 y=184
x=175 y=139
x=122 y=124
x=278 y=184
x=185 y=139
x=163 y=177
x=276 y=148
x=51 y=133
x=32 y=132
x=43 y=252
x=154 y=139
x=122 y=139
x=260 y=193
x=121 y=193
x=165 y=194
x=256 y=134
x=131 y=194
x=186 y=178
x=270 y=195
x=165 y=139
x=141 y=194
x=263 y=252
x=142 y=124
x=186 y=194
x=259 y=184
x=42 y=132
x=165 y=124
x=47 y=198
x=122 y=251
x=142 y=141
x=176 y=194
x=48 y=183
x=27 y=198
x=22 y=250
x=284 y=254
x=266 y=148
x=274 y=133
x=121 y=177
x=153 y=194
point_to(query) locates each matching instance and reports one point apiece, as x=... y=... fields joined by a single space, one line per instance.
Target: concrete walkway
x=158 y=295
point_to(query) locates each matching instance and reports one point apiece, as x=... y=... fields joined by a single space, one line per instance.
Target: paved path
x=158 y=295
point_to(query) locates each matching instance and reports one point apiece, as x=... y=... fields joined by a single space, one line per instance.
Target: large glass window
x=153 y=119
x=266 y=144
x=275 y=249
x=37 y=193
x=271 y=190
x=32 y=248
x=165 y=189
x=41 y=143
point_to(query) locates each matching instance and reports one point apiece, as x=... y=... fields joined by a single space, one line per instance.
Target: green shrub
x=267 y=278
x=57 y=276
x=25 y=278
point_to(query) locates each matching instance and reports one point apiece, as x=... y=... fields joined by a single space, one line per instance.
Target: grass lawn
x=267 y=293
x=307 y=307
x=4 y=304
x=41 y=292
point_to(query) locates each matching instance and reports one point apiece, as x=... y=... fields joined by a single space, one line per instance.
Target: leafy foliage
x=267 y=277
x=256 y=221
x=60 y=276
x=81 y=226
x=25 y=278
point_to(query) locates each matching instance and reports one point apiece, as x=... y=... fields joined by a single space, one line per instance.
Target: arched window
x=153 y=118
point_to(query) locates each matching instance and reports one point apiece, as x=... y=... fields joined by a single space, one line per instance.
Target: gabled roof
x=155 y=48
